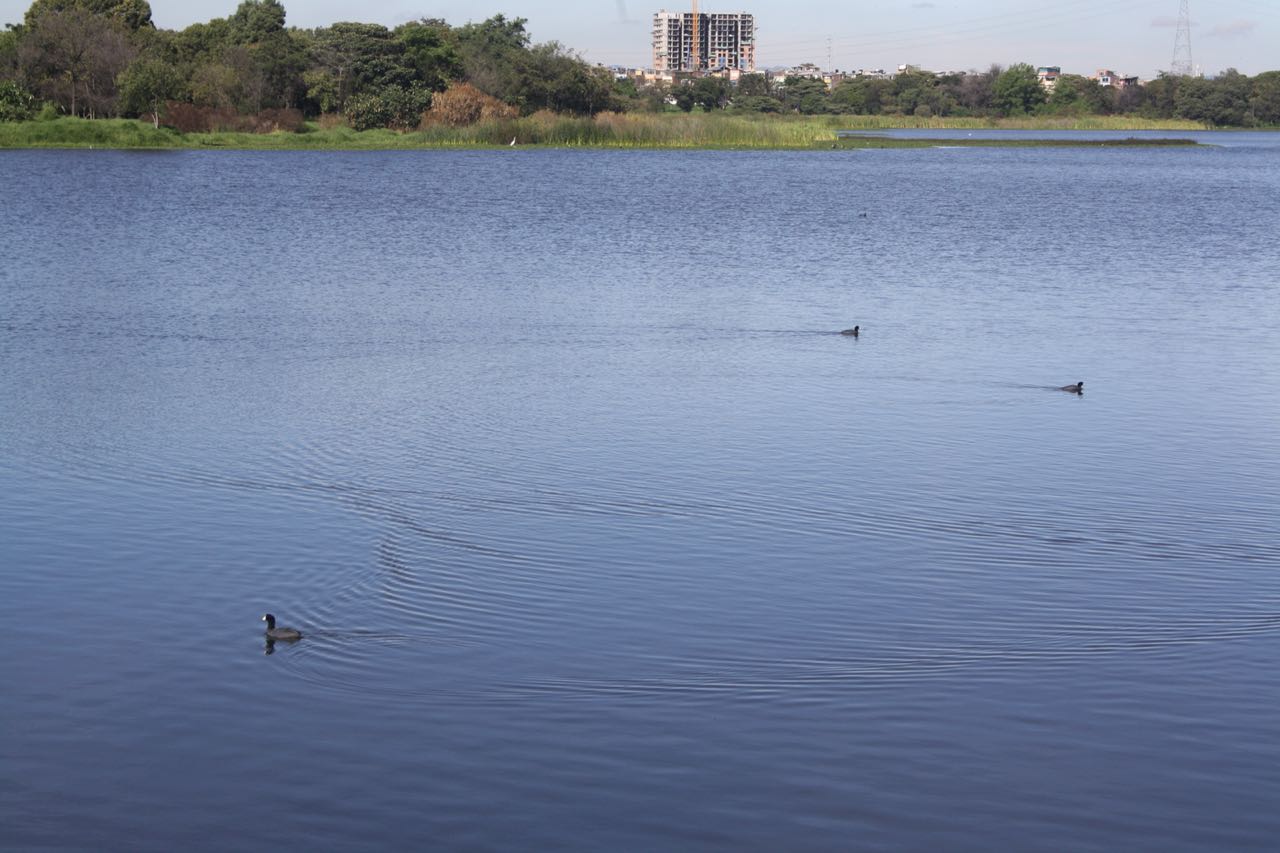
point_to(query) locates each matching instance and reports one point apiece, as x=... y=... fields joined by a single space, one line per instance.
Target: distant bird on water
x=274 y=633
x=851 y=332
x=1078 y=388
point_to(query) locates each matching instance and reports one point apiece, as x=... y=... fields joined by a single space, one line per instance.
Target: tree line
x=1230 y=99
x=105 y=58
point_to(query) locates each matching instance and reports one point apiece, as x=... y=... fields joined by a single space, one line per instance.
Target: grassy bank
x=882 y=122
x=608 y=130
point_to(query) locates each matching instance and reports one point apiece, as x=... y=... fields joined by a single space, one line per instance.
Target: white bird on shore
x=513 y=142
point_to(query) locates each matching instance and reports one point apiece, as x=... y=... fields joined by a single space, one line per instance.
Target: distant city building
x=726 y=42
x=807 y=69
x=1048 y=75
x=1107 y=77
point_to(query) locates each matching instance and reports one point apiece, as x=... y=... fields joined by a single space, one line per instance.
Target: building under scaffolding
x=724 y=42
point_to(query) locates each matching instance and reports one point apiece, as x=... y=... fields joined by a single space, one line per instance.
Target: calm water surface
x=600 y=536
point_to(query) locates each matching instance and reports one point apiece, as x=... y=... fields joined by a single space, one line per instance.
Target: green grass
x=83 y=133
x=607 y=130
x=873 y=141
x=883 y=122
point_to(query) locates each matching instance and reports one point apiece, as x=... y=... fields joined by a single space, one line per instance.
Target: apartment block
x=726 y=42
x=1048 y=76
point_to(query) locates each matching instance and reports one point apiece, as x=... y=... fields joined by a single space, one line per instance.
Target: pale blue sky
x=1128 y=36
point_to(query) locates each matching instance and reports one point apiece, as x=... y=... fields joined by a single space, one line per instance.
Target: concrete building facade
x=726 y=42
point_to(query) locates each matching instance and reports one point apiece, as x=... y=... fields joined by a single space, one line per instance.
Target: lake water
x=602 y=538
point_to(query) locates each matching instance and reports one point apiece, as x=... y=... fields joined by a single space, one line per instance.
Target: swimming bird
x=274 y=633
x=853 y=331
x=1078 y=388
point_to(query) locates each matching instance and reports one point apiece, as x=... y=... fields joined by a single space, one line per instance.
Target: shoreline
x=604 y=132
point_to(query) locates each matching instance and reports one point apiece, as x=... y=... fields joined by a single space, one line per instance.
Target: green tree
x=392 y=107
x=684 y=97
x=711 y=93
x=1076 y=95
x=492 y=53
x=8 y=53
x=758 y=104
x=1192 y=100
x=74 y=57
x=850 y=97
x=341 y=55
x=863 y=96
x=16 y=103
x=654 y=98
x=200 y=43
x=1229 y=99
x=754 y=85
x=1129 y=99
x=551 y=77
x=1017 y=91
x=914 y=89
x=280 y=58
x=367 y=111
x=133 y=14
x=358 y=57
x=217 y=85
x=806 y=95
x=1161 y=96
x=1264 y=98
x=625 y=87
x=255 y=20
x=429 y=50
x=1223 y=101
x=322 y=90
x=406 y=105
x=974 y=93
x=146 y=85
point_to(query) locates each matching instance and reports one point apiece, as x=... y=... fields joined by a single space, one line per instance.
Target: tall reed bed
x=640 y=130
x=1089 y=122
x=606 y=130
x=1097 y=123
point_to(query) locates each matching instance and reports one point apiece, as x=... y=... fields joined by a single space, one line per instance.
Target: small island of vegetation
x=98 y=73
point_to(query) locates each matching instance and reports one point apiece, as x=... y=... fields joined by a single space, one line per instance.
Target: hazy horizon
x=1136 y=39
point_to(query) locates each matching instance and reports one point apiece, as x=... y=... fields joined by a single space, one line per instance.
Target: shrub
x=406 y=106
x=757 y=104
x=186 y=118
x=16 y=103
x=392 y=107
x=365 y=112
x=286 y=120
x=463 y=104
x=189 y=118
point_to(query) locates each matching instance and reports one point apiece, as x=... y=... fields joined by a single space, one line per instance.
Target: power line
x=1181 y=65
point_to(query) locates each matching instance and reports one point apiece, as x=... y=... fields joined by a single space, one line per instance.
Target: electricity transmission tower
x=1182 y=43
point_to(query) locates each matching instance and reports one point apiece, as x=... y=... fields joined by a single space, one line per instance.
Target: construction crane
x=694 y=69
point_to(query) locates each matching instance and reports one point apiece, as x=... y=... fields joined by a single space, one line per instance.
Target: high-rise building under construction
x=723 y=41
